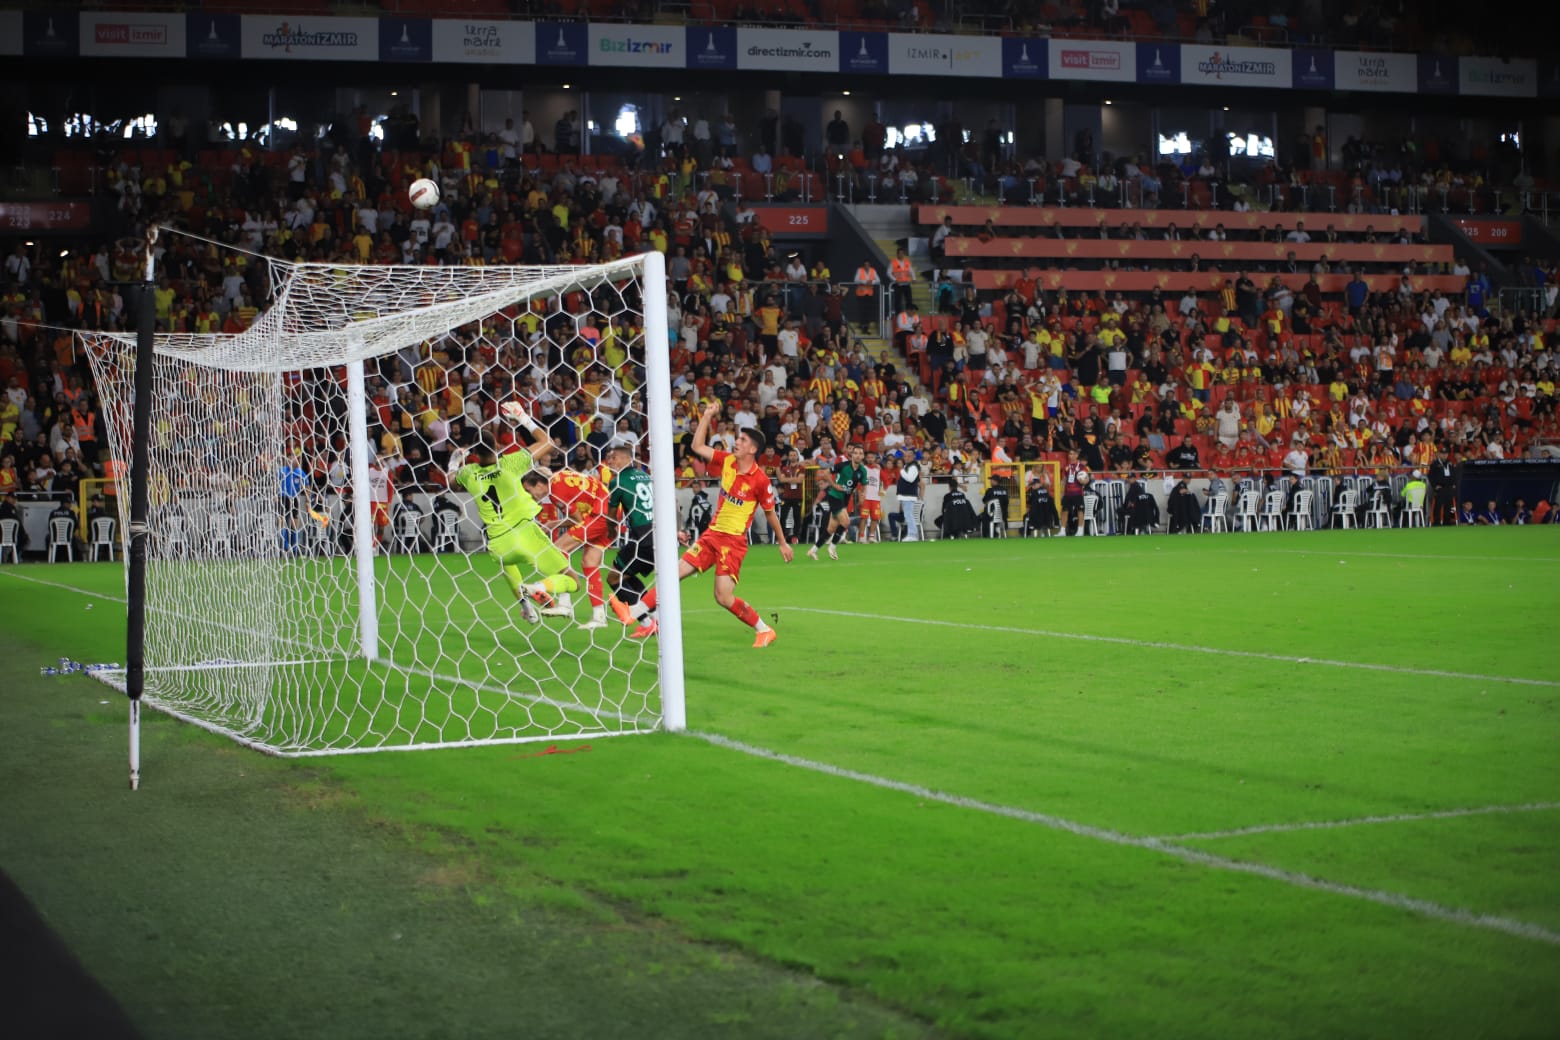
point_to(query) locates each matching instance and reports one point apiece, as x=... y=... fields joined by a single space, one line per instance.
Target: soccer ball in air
x=424 y=194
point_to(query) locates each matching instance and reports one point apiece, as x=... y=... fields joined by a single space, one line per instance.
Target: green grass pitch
x=1277 y=785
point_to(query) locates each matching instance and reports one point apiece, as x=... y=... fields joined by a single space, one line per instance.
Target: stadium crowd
x=1233 y=384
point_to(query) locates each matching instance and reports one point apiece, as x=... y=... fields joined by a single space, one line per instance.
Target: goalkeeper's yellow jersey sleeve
x=502 y=501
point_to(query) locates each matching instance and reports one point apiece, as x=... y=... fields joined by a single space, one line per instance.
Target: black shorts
x=836 y=506
x=638 y=553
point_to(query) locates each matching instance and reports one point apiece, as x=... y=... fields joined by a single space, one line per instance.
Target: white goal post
x=317 y=582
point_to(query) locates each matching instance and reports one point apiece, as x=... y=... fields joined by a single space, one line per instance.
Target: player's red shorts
x=593 y=532
x=872 y=509
x=722 y=551
x=381 y=514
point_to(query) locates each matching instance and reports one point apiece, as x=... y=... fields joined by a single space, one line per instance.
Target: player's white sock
x=761 y=626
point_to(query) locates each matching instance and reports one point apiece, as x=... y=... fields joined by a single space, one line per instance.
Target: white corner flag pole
x=663 y=487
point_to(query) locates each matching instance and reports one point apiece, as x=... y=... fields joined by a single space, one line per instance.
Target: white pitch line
x=1405 y=556
x=1359 y=821
x=1151 y=644
x=61 y=585
x=1423 y=907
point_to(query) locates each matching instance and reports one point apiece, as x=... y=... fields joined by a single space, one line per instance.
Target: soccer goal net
x=318 y=577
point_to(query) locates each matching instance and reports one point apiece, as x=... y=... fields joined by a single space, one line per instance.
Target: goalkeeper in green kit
x=509 y=512
x=631 y=497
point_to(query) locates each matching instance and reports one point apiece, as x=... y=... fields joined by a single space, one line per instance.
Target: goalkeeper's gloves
x=516 y=412
x=457 y=460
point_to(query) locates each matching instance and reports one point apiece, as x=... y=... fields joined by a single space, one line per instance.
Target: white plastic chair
x=103 y=536
x=1380 y=514
x=62 y=535
x=1343 y=509
x=998 y=518
x=220 y=528
x=173 y=541
x=1413 y=508
x=1246 y=510
x=1272 y=518
x=10 y=531
x=408 y=530
x=1214 y=519
x=448 y=537
x=1301 y=514
x=1090 y=523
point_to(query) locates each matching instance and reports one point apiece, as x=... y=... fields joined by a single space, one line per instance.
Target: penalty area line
x=1190 y=648
x=1393 y=900
x=1360 y=821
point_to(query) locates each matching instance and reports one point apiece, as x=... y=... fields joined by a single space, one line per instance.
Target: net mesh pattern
x=253 y=606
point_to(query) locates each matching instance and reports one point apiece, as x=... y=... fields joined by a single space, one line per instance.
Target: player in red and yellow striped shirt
x=744 y=490
x=581 y=499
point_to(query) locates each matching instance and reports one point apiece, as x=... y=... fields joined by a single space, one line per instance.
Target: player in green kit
x=629 y=492
x=509 y=512
x=839 y=487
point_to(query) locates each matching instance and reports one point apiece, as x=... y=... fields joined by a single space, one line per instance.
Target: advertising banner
x=50 y=34
x=1437 y=74
x=562 y=43
x=405 y=39
x=788 y=50
x=1235 y=66
x=1371 y=71
x=213 y=37
x=486 y=42
x=1313 y=70
x=1109 y=61
x=113 y=34
x=638 y=46
x=864 y=52
x=1549 y=79
x=1158 y=63
x=711 y=47
x=308 y=38
x=1024 y=57
x=932 y=54
x=1497 y=77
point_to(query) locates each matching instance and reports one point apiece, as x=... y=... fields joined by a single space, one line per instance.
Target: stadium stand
x=1306 y=300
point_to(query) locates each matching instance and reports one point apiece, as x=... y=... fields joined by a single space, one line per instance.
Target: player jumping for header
x=582 y=499
x=744 y=489
x=509 y=512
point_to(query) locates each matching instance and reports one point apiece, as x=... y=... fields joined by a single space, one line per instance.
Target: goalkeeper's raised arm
x=541 y=444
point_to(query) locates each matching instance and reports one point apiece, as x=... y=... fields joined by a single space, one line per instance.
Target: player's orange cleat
x=646 y=630
x=765 y=637
x=621 y=610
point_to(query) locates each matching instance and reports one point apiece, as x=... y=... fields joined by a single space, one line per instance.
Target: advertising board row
x=224 y=36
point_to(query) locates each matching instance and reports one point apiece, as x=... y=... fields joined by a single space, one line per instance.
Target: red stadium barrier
x=1202 y=219
x=1208 y=252
x=1198 y=281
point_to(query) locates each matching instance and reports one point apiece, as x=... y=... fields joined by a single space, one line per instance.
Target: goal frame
x=650 y=269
